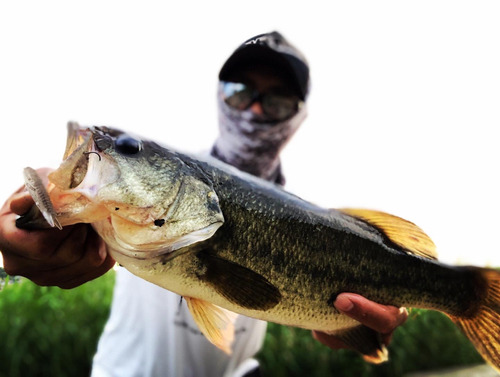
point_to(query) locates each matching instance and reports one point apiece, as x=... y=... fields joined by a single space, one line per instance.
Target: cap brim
x=262 y=54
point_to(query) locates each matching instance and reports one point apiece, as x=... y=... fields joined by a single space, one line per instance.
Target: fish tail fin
x=483 y=326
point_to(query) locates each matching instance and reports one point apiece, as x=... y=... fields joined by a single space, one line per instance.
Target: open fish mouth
x=71 y=195
x=75 y=138
x=84 y=169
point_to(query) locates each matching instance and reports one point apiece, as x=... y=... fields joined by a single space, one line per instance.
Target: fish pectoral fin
x=366 y=341
x=238 y=284
x=216 y=323
x=401 y=232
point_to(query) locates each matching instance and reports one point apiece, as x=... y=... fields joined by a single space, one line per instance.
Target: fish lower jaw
x=138 y=253
x=119 y=247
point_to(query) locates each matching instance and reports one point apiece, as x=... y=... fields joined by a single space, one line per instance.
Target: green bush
x=47 y=331
x=52 y=332
x=427 y=341
x=3 y=274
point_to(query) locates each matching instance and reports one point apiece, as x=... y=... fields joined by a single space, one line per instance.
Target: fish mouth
x=74 y=186
x=78 y=135
x=75 y=138
x=85 y=168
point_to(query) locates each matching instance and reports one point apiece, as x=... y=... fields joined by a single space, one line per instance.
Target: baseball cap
x=274 y=50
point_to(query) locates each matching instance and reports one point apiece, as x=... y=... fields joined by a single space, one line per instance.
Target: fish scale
x=328 y=255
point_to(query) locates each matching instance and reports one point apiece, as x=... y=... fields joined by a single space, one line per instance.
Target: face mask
x=253 y=142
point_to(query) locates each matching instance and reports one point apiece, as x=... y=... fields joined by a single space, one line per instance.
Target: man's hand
x=65 y=258
x=381 y=318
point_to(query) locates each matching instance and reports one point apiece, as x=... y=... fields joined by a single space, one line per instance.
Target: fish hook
x=87 y=153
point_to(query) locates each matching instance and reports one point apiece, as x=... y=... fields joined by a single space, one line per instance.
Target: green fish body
x=229 y=242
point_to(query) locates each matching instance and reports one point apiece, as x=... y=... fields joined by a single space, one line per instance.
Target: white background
x=404 y=108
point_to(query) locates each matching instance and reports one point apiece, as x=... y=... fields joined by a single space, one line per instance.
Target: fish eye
x=128 y=145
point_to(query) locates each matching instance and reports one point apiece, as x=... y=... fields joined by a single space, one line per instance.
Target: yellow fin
x=216 y=323
x=399 y=231
x=365 y=340
x=482 y=326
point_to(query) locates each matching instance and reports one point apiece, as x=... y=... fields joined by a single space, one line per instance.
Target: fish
x=231 y=243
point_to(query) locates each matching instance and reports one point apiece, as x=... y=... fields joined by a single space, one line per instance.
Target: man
x=262 y=93
x=261 y=105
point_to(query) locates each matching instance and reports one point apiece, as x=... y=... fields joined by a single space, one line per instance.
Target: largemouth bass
x=231 y=243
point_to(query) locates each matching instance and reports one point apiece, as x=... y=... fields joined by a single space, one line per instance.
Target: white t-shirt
x=151 y=333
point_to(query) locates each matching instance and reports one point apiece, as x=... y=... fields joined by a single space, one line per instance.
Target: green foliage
x=427 y=341
x=52 y=332
x=3 y=274
x=47 y=331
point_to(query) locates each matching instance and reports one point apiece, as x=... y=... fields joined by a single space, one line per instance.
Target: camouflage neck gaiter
x=251 y=143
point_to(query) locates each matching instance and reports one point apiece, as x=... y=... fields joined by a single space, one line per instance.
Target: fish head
x=143 y=199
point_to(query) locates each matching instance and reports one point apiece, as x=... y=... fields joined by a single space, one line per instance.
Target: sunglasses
x=275 y=105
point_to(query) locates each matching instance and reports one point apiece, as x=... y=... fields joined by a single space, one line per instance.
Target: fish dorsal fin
x=216 y=323
x=403 y=233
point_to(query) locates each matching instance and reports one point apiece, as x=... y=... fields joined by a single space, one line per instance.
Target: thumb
x=381 y=318
x=21 y=203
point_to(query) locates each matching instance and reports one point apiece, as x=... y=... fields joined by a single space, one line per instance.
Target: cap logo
x=255 y=41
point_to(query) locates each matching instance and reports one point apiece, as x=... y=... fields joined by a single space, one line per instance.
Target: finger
x=91 y=275
x=386 y=338
x=93 y=257
x=329 y=340
x=15 y=265
x=80 y=248
x=381 y=318
x=21 y=203
x=72 y=247
x=31 y=244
